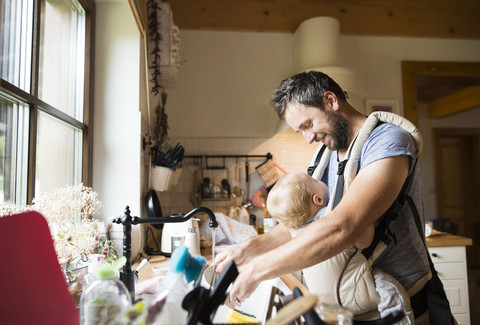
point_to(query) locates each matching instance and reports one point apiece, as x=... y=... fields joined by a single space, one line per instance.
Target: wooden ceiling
x=409 y=18
x=447 y=19
x=458 y=19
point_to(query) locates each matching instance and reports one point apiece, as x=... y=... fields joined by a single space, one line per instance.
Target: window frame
x=35 y=104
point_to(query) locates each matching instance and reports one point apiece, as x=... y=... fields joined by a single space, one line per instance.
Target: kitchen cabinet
x=449 y=257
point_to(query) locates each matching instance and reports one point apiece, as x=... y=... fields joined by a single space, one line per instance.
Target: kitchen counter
x=449 y=257
x=444 y=240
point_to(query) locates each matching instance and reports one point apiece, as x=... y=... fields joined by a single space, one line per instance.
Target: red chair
x=33 y=289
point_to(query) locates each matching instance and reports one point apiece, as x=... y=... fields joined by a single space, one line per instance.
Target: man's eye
x=307 y=125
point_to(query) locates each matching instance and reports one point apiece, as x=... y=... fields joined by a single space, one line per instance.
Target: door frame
x=412 y=69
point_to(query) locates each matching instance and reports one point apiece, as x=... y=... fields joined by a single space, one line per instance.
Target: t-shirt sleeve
x=387 y=140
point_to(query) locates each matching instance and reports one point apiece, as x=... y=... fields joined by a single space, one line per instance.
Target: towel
x=229 y=231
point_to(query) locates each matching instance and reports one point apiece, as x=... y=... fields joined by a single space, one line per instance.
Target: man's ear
x=317 y=200
x=330 y=100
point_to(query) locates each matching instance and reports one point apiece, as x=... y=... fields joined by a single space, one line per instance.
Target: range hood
x=316 y=44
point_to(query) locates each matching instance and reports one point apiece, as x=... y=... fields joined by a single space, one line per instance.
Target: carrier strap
x=340 y=180
x=311 y=169
x=382 y=230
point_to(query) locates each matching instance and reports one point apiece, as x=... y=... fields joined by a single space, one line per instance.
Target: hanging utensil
x=246 y=202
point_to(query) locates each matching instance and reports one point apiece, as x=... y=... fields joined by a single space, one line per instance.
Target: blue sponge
x=195 y=268
x=182 y=261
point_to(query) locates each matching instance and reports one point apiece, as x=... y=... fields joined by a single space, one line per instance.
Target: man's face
x=318 y=125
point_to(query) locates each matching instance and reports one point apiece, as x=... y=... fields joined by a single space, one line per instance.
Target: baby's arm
x=365 y=238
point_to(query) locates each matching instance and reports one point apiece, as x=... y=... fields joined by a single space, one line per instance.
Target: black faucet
x=127 y=275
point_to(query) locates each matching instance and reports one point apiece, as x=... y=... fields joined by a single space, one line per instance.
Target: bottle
x=183 y=274
x=106 y=300
x=192 y=241
x=253 y=221
x=268 y=223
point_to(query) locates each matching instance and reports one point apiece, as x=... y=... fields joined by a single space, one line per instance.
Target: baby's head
x=295 y=198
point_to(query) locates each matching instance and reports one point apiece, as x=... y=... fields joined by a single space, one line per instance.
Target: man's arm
x=370 y=194
x=252 y=247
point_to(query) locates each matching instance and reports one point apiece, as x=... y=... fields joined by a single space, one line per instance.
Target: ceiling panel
x=410 y=18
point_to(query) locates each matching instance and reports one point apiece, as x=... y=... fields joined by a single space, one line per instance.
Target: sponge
x=237 y=317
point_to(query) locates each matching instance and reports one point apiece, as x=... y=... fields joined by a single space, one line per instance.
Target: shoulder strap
x=320 y=150
x=382 y=229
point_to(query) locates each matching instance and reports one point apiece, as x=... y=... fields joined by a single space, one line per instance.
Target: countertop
x=444 y=240
x=435 y=240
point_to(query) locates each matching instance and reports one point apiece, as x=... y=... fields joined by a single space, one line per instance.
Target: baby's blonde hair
x=290 y=199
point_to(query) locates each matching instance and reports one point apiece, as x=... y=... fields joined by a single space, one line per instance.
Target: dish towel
x=229 y=231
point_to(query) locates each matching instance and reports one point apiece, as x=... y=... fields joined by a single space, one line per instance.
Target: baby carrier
x=352 y=268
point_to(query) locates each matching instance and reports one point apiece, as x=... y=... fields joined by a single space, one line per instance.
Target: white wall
x=212 y=83
x=117 y=120
x=226 y=82
x=227 y=78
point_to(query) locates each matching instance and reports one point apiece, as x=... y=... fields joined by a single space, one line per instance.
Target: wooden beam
x=457 y=69
x=457 y=102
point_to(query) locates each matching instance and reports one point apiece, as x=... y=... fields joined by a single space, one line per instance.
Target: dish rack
x=215 y=185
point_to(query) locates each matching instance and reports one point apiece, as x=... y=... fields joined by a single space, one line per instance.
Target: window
x=45 y=96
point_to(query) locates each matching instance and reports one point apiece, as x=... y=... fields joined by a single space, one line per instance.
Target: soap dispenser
x=192 y=241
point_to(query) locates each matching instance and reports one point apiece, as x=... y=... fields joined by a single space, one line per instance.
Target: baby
x=298 y=199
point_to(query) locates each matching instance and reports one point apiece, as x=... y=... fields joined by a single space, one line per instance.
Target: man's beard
x=339 y=133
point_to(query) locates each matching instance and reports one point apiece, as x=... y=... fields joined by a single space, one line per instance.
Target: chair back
x=33 y=289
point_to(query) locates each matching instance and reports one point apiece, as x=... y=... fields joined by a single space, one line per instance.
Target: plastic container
x=184 y=272
x=106 y=300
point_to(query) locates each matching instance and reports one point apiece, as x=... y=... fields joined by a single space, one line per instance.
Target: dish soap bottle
x=106 y=300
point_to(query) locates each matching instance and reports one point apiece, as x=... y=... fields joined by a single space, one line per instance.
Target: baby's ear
x=317 y=200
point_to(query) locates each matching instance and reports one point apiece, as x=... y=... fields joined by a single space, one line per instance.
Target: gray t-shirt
x=407 y=260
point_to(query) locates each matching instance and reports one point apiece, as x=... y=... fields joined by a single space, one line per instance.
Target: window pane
x=16 y=42
x=13 y=150
x=59 y=154
x=62 y=56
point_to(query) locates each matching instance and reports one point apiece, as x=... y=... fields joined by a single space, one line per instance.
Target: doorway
x=457 y=179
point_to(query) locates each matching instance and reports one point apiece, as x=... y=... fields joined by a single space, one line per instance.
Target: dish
x=160 y=269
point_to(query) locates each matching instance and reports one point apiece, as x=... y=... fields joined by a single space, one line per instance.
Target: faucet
x=127 y=275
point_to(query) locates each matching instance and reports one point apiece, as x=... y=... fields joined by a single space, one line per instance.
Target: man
x=314 y=105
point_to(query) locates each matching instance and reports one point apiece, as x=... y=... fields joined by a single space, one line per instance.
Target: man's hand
x=243 y=286
x=222 y=259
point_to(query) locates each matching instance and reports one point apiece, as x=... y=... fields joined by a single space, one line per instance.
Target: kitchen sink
x=258 y=304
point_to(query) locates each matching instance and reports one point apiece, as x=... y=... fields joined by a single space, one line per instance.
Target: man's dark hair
x=306 y=88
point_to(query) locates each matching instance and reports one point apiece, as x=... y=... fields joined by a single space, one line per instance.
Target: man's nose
x=309 y=136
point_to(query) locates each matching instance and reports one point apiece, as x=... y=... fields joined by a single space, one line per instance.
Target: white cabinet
x=451 y=265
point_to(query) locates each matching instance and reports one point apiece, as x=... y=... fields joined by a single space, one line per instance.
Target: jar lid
x=106 y=271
